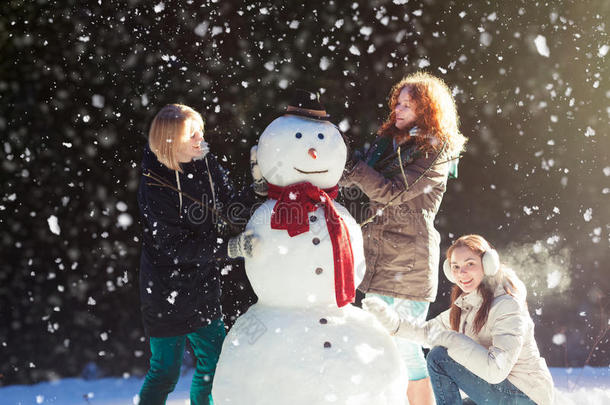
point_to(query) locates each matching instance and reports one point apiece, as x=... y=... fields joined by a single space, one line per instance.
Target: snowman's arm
x=422 y=176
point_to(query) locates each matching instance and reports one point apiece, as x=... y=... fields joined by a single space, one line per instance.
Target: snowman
x=303 y=343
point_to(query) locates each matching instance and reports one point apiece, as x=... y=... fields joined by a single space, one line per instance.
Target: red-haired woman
x=404 y=175
x=484 y=344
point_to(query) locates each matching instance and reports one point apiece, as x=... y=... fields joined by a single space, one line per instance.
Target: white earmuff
x=447 y=270
x=490 y=262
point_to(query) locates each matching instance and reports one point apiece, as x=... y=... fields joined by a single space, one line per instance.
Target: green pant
x=166 y=360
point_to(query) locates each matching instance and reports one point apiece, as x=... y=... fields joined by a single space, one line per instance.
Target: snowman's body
x=295 y=345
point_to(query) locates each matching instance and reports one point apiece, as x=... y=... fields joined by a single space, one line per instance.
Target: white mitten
x=386 y=315
x=439 y=336
x=243 y=245
x=205 y=149
x=261 y=187
x=415 y=131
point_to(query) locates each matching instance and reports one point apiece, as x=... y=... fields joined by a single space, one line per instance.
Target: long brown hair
x=478 y=245
x=435 y=109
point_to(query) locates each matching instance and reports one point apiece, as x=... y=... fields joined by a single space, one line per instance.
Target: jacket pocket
x=398 y=251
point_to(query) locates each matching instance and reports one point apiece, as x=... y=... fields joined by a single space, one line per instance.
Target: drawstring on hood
x=179 y=191
x=211 y=183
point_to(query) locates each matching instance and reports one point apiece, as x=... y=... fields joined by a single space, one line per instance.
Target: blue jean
x=448 y=377
x=166 y=360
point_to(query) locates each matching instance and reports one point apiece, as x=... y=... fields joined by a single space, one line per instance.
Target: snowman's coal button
x=323 y=321
x=319 y=270
x=327 y=345
x=315 y=241
x=313 y=218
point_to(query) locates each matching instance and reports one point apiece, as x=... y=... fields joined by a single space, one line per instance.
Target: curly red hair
x=436 y=112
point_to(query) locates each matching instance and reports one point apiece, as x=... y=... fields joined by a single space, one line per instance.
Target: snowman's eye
x=321 y=136
x=298 y=135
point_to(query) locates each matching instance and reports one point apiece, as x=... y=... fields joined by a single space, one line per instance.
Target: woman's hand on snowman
x=386 y=315
x=260 y=185
x=245 y=244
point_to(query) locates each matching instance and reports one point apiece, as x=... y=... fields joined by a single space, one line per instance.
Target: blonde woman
x=484 y=344
x=179 y=281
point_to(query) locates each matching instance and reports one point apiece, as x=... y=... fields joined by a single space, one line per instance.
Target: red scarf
x=294 y=202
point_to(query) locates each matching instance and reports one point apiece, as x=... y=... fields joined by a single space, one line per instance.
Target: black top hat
x=307 y=104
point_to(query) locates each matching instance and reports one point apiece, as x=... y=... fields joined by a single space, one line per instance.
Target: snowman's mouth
x=312 y=172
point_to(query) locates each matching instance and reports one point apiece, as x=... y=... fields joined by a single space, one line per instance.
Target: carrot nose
x=313 y=153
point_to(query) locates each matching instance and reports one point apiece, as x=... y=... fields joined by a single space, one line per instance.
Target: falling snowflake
x=553 y=279
x=54 y=225
x=559 y=339
x=202 y=29
x=485 y=39
x=588 y=215
x=97 y=101
x=541 y=46
x=172 y=297
x=354 y=50
x=159 y=7
x=366 y=31
x=226 y=269
x=324 y=63
x=124 y=220
x=589 y=132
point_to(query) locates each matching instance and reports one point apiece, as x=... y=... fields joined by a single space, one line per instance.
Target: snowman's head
x=295 y=149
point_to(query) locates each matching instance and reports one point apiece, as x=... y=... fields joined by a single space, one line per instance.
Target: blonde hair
x=165 y=131
x=435 y=109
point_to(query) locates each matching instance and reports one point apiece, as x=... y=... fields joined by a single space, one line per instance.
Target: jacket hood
x=502 y=281
x=150 y=162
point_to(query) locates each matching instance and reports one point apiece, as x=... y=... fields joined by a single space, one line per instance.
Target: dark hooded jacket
x=181 y=245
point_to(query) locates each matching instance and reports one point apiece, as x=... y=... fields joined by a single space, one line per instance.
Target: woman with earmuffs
x=484 y=344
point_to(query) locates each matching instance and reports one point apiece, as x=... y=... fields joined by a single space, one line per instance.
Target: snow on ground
x=574 y=386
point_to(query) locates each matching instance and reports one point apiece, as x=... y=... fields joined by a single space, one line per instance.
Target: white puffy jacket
x=504 y=348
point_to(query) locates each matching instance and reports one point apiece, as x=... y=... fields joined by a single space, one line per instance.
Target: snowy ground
x=590 y=386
